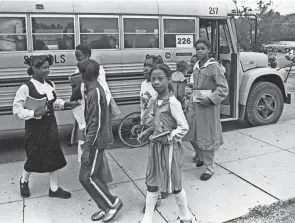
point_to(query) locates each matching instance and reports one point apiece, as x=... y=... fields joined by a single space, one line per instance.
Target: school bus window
x=53 y=33
x=141 y=33
x=13 y=34
x=100 y=33
x=179 y=33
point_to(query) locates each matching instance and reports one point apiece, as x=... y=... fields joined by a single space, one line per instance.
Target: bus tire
x=265 y=104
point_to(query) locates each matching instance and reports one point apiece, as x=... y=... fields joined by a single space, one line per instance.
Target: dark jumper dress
x=43 y=149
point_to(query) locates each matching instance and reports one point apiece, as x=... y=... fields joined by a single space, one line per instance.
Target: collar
x=44 y=88
x=91 y=85
x=208 y=63
x=38 y=82
x=170 y=93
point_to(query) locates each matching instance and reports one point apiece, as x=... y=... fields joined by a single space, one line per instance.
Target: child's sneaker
x=98 y=216
x=199 y=164
x=24 y=188
x=112 y=212
x=60 y=193
x=205 y=176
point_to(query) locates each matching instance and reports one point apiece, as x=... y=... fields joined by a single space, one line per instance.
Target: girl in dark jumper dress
x=43 y=149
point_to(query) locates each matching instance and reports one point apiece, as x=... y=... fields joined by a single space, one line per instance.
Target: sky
x=282 y=6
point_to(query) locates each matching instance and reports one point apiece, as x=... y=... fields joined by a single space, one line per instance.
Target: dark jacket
x=98 y=130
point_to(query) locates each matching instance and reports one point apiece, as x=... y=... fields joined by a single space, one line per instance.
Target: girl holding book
x=166 y=155
x=43 y=149
x=146 y=93
x=210 y=88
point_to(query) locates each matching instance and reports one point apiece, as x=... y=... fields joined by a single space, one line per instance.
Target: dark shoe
x=205 y=176
x=24 y=189
x=60 y=193
x=98 y=216
x=199 y=164
x=157 y=204
x=112 y=212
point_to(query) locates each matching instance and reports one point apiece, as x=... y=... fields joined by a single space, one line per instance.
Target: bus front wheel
x=265 y=104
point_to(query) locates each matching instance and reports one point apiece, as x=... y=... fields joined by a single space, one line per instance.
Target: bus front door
x=220 y=33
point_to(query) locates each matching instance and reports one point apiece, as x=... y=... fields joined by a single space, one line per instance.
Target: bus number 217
x=184 y=40
x=213 y=11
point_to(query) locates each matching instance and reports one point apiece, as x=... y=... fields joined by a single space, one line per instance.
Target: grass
x=281 y=211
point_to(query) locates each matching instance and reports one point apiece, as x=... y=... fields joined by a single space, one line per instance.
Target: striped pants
x=92 y=178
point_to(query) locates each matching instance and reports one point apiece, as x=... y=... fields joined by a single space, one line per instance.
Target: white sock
x=53 y=177
x=181 y=201
x=26 y=176
x=150 y=203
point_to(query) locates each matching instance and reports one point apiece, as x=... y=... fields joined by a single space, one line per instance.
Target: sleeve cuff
x=86 y=147
x=213 y=100
x=62 y=105
x=31 y=113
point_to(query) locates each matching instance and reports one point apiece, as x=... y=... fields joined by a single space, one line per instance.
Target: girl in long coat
x=205 y=132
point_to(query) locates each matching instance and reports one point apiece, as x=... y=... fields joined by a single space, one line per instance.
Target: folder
x=196 y=94
x=34 y=104
x=78 y=113
x=160 y=135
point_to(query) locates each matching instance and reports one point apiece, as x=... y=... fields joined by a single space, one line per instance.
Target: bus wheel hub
x=266 y=106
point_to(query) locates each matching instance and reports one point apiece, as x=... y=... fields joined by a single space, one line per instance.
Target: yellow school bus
x=121 y=33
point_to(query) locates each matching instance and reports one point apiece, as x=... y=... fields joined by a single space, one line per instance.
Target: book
x=80 y=150
x=78 y=113
x=34 y=104
x=160 y=135
x=196 y=94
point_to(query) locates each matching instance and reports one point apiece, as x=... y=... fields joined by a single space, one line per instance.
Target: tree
x=268 y=26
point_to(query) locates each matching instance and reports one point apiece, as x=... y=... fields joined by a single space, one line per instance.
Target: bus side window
x=141 y=33
x=179 y=33
x=100 y=33
x=53 y=33
x=13 y=34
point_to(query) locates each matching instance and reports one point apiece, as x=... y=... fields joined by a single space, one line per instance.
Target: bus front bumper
x=288 y=99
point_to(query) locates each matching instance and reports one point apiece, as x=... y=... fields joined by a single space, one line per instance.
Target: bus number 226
x=184 y=40
x=213 y=11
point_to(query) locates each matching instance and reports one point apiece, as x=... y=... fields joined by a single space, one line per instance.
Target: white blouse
x=146 y=87
x=23 y=92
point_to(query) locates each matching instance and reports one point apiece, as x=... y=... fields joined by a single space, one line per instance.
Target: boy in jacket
x=95 y=172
